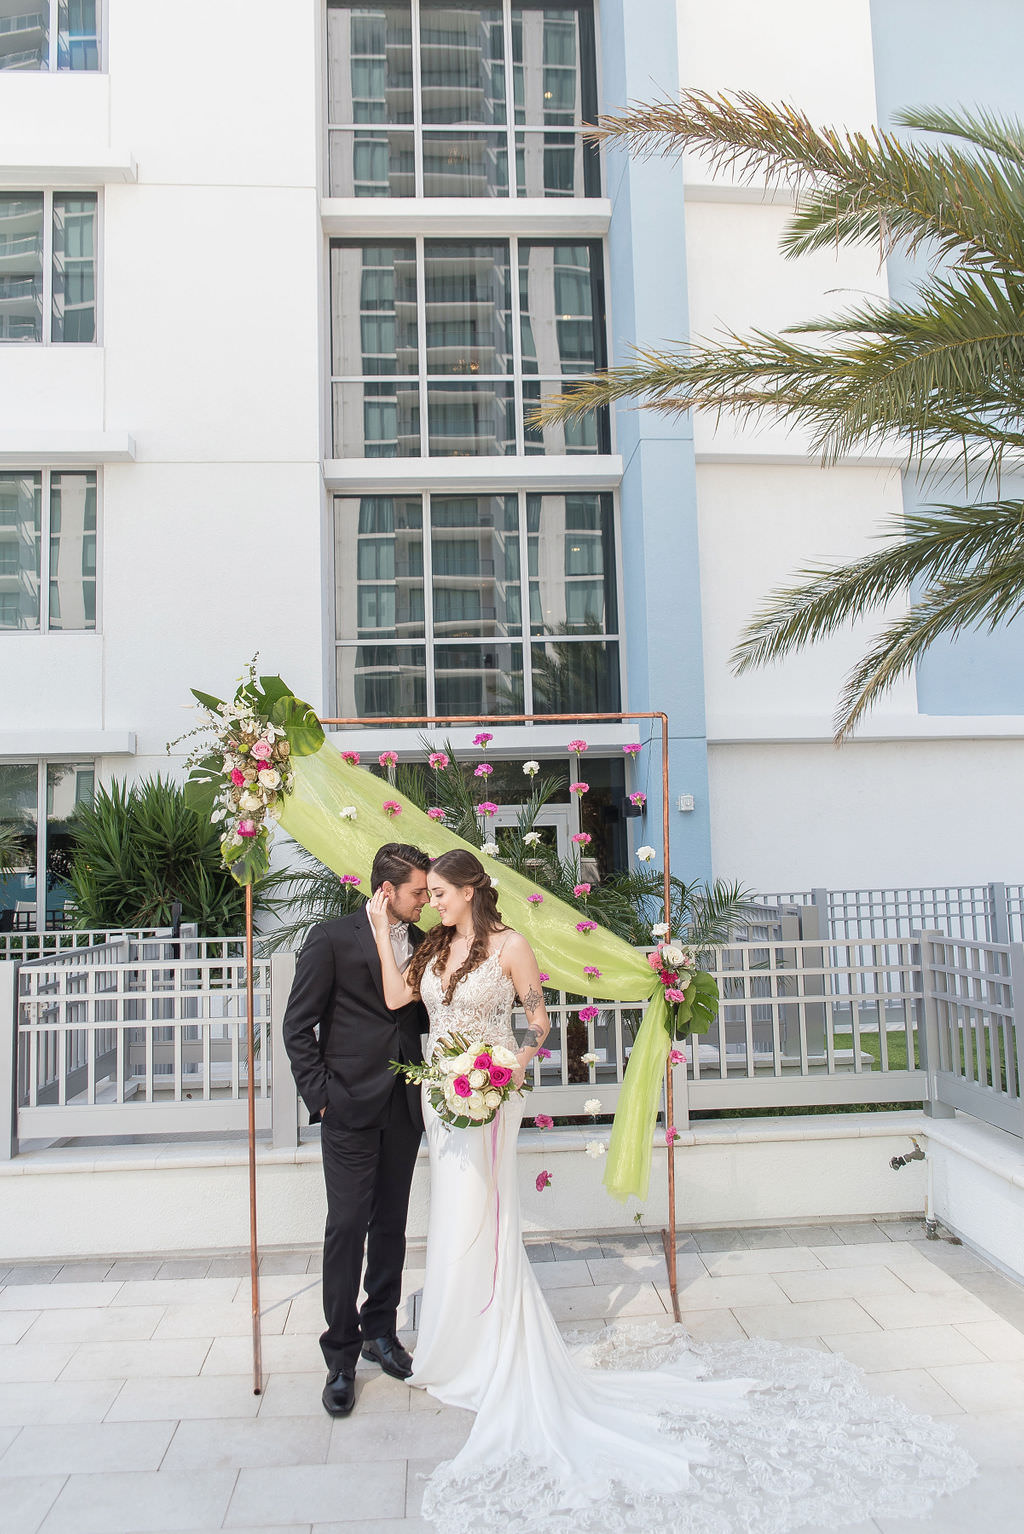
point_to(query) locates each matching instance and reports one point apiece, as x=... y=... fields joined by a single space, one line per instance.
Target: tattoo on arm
x=532 y=1000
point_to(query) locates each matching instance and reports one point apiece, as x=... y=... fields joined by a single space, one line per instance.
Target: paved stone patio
x=126 y=1402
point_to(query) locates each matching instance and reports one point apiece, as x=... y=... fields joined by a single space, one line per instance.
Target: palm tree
x=940 y=373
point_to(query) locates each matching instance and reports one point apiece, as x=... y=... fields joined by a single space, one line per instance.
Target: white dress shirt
x=401 y=945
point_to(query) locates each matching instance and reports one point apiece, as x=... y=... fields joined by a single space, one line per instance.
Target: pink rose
x=500 y=1075
x=482 y=1062
x=262 y=749
x=438 y=760
x=247 y=828
x=544 y=1121
x=580 y=889
x=543 y=1181
x=462 y=1087
x=674 y=996
x=435 y=814
x=237 y=777
x=676 y=1057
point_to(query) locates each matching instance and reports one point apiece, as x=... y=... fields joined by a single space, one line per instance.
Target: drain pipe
x=917 y=1154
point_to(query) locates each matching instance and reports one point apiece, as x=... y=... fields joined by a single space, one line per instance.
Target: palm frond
x=942 y=544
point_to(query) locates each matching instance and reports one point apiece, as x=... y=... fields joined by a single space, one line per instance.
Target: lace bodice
x=481 y=1008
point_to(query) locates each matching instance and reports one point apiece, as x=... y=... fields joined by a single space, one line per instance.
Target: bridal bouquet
x=467 y=1082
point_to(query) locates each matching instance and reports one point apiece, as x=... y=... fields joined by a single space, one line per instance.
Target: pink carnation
x=587 y=1014
x=435 y=814
x=500 y=1076
x=438 y=760
x=543 y=1120
x=674 y=996
x=577 y=746
x=388 y=758
x=543 y=1054
x=391 y=807
x=461 y=1087
x=483 y=771
x=535 y=899
x=237 y=777
x=588 y=969
x=676 y=1057
x=585 y=926
x=632 y=748
x=578 y=788
x=487 y=808
x=247 y=828
x=580 y=889
x=638 y=799
x=350 y=879
x=543 y=1181
x=352 y=757
x=654 y=958
x=671 y=1135
x=544 y=976
x=582 y=838
x=482 y=739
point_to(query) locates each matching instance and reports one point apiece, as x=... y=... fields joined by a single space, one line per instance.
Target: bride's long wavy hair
x=461 y=869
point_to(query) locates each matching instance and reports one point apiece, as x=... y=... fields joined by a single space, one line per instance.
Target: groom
x=340 y=1036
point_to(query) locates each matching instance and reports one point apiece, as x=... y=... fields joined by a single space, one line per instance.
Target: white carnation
x=660 y=929
x=595 y=1148
x=531 y=769
x=490 y=849
x=348 y=813
x=592 y=1106
x=589 y=1059
x=646 y=854
x=532 y=838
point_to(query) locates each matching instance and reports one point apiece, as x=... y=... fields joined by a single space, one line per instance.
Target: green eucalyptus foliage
x=138 y=850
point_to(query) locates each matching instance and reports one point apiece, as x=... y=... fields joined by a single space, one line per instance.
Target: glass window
x=67 y=288
x=27 y=903
x=456 y=102
x=460 y=322
x=51 y=515
x=469 y=571
x=378 y=567
x=49 y=34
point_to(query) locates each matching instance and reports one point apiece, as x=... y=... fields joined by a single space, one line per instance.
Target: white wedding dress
x=639 y=1428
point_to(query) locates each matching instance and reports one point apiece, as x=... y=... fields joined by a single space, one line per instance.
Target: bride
x=639 y=1428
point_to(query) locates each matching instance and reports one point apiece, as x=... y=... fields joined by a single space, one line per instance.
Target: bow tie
x=398 y=929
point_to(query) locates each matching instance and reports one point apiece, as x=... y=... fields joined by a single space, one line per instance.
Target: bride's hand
x=518 y=1075
x=378 y=908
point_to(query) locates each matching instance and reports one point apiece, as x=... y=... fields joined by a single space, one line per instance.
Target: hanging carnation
x=639 y=799
x=588 y=1015
x=592 y=971
x=583 y=839
x=352 y=757
x=438 y=760
x=577 y=746
x=581 y=889
x=484 y=770
x=486 y=808
x=543 y=1181
x=531 y=769
x=482 y=739
x=388 y=759
x=585 y=926
x=391 y=807
x=435 y=814
x=535 y=899
x=352 y=879
x=632 y=748
x=579 y=788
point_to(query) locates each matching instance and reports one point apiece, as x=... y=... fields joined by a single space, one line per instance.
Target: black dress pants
x=368 y=1174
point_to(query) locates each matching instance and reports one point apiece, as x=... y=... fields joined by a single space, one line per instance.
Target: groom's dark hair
x=395 y=862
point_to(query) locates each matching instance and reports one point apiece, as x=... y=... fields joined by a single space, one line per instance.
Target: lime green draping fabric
x=325 y=785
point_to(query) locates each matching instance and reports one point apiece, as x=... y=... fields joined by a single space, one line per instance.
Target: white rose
x=589 y=1059
x=646 y=854
x=477 y=1078
x=595 y=1148
x=274 y=811
x=592 y=1106
x=490 y=849
x=532 y=838
x=269 y=777
x=660 y=929
x=672 y=955
x=492 y=1100
x=460 y=1064
x=348 y=813
x=503 y=1057
x=250 y=803
x=475 y=1106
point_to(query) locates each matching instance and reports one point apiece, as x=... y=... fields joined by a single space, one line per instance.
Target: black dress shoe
x=390 y=1354
x=339 y=1395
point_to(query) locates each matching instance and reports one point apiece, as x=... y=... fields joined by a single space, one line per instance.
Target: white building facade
x=277 y=292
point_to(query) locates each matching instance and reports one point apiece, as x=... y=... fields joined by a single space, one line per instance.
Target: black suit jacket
x=339 y=1032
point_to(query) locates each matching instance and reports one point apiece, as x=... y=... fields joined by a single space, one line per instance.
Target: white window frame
x=43 y=626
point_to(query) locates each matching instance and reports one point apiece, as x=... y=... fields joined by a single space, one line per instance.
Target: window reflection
x=571 y=676
x=476 y=679
x=21 y=266
x=571 y=553
x=378 y=567
x=20 y=533
x=468 y=307
x=381 y=681
x=475 y=550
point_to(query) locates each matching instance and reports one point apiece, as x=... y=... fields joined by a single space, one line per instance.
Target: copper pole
x=254 y=1256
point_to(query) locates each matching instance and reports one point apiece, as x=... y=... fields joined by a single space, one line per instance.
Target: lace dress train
x=634 y=1427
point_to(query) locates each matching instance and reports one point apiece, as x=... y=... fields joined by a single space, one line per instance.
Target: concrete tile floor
x=126 y=1402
